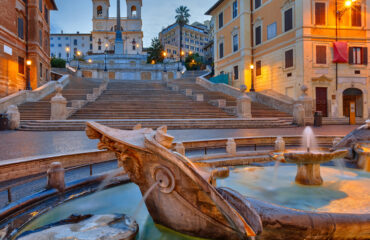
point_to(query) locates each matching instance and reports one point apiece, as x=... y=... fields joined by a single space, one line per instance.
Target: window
x=258 y=35
x=220 y=20
x=133 y=47
x=91 y=46
x=358 y=55
x=99 y=11
x=60 y=55
x=221 y=50
x=40 y=38
x=46 y=14
x=320 y=14
x=289 y=58
x=235 y=42
x=133 y=11
x=51 y=45
x=356 y=15
x=271 y=31
x=20 y=28
x=59 y=45
x=40 y=70
x=258 y=68
x=236 y=72
x=59 y=38
x=40 y=5
x=99 y=47
x=288 y=20
x=235 y=9
x=67 y=38
x=320 y=54
x=75 y=42
x=21 y=65
x=257 y=4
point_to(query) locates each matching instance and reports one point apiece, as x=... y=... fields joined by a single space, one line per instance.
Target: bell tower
x=100 y=9
x=134 y=9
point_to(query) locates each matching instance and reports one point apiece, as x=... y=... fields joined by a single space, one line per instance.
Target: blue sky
x=76 y=15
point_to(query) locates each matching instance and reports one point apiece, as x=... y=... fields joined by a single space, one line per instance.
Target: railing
x=9 y=188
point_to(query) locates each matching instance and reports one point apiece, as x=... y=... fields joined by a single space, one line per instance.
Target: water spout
x=309 y=140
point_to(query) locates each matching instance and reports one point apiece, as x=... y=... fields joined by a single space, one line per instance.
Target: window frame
x=255 y=7
x=236 y=72
x=20 y=34
x=235 y=9
x=258 y=68
x=325 y=12
x=221 y=56
x=285 y=59
x=21 y=65
x=284 y=21
x=352 y=11
x=255 y=35
x=233 y=43
x=267 y=28
x=220 y=20
x=316 y=63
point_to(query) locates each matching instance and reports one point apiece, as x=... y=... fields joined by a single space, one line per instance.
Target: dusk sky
x=76 y=15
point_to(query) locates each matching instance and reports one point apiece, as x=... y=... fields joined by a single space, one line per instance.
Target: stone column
x=244 y=107
x=58 y=105
x=14 y=117
x=118 y=45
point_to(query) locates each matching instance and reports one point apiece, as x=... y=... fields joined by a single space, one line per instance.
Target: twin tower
x=101 y=8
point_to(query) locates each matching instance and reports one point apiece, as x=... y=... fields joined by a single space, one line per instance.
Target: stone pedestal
x=199 y=97
x=307 y=104
x=180 y=148
x=56 y=176
x=231 y=146
x=244 y=107
x=308 y=174
x=58 y=106
x=178 y=75
x=189 y=92
x=118 y=47
x=165 y=76
x=14 y=117
x=298 y=115
x=279 y=144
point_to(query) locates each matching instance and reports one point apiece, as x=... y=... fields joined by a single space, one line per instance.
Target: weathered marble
x=279 y=144
x=244 y=107
x=14 y=117
x=58 y=106
x=55 y=175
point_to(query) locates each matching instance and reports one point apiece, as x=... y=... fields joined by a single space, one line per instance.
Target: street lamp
x=28 y=81
x=164 y=58
x=153 y=62
x=252 y=77
x=137 y=47
x=182 y=53
x=78 y=60
x=68 y=51
x=90 y=61
x=105 y=57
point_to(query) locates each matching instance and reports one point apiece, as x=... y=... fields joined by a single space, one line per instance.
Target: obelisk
x=118 y=44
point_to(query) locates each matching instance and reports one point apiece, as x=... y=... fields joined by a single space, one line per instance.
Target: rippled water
x=348 y=193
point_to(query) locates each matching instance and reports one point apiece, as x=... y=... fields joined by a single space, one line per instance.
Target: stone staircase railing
x=32 y=96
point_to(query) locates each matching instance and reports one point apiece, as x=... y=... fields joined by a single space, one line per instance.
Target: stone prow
x=282 y=223
x=184 y=199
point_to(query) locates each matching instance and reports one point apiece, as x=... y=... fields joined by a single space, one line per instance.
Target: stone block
x=199 y=97
x=96 y=92
x=55 y=175
x=90 y=97
x=231 y=146
x=299 y=115
x=180 y=148
x=178 y=75
x=58 y=106
x=165 y=76
x=189 y=92
x=220 y=103
x=14 y=117
x=244 y=107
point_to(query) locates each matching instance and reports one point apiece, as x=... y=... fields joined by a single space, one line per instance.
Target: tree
x=182 y=18
x=155 y=51
x=194 y=62
x=58 y=63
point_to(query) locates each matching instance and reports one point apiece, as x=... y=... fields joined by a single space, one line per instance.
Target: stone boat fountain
x=186 y=199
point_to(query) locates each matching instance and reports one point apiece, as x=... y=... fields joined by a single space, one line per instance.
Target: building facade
x=66 y=45
x=321 y=44
x=104 y=28
x=195 y=38
x=24 y=37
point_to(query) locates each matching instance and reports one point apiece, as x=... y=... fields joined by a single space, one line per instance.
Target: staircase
x=77 y=89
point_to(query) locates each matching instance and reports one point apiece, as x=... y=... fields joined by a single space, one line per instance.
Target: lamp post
x=78 y=60
x=164 y=58
x=28 y=81
x=252 y=77
x=182 y=53
x=137 y=48
x=105 y=57
x=68 y=50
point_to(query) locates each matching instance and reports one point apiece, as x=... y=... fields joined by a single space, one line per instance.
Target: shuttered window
x=320 y=54
x=220 y=20
x=289 y=58
x=356 y=15
x=257 y=4
x=258 y=68
x=21 y=65
x=221 y=50
x=288 y=20
x=236 y=72
x=258 y=35
x=358 y=56
x=320 y=14
x=20 y=28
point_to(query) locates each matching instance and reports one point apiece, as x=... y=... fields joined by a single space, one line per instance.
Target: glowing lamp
x=29 y=62
x=251 y=66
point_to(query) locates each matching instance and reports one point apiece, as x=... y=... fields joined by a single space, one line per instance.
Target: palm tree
x=182 y=18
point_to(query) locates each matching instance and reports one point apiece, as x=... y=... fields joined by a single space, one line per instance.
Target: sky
x=76 y=15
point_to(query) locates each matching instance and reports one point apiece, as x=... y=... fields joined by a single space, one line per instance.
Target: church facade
x=104 y=28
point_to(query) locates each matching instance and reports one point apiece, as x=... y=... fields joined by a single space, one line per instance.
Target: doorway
x=353 y=95
x=322 y=100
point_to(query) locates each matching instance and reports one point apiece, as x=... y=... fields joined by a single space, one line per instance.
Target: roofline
x=204 y=31
x=218 y=3
x=77 y=34
x=54 y=5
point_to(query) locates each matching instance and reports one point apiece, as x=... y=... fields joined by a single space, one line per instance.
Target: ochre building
x=281 y=45
x=24 y=35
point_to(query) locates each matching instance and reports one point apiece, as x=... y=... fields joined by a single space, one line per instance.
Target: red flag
x=340 y=52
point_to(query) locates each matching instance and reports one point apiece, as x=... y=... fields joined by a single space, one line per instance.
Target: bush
x=58 y=63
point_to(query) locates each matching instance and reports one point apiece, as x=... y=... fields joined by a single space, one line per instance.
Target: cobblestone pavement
x=18 y=144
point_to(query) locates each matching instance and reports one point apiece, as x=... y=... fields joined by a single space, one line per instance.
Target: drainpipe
x=28 y=70
x=252 y=42
x=336 y=39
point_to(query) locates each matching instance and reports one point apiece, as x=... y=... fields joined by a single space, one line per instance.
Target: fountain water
x=309 y=142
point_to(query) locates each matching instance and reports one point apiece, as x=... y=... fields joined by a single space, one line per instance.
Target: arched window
x=99 y=10
x=133 y=11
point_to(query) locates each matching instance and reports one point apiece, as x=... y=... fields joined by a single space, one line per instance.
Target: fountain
x=188 y=202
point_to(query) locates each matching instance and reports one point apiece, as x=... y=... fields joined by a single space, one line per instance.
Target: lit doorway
x=353 y=95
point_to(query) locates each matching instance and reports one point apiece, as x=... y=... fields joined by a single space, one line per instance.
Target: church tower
x=101 y=9
x=134 y=9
